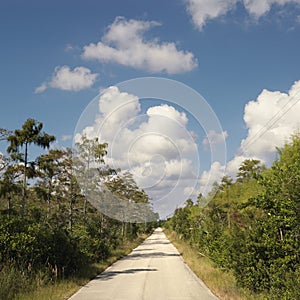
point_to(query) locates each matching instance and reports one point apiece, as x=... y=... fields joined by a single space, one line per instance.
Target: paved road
x=152 y=271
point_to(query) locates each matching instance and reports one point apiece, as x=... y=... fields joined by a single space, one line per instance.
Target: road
x=152 y=271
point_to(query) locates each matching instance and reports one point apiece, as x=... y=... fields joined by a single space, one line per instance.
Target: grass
x=221 y=283
x=63 y=289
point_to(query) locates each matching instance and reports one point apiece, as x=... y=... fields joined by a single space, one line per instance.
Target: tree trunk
x=84 y=208
x=24 y=182
x=101 y=223
x=85 y=186
x=71 y=215
x=280 y=234
x=123 y=230
x=49 y=198
x=9 y=203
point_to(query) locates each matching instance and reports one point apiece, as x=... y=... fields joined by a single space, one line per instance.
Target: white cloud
x=124 y=43
x=66 y=79
x=258 y=8
x=271 y=119
x=1 y=159
x=182 y=168
x=66 y=137
x=72 y=80
x=155 y=146
x=216 y=172
x=168 y=112
x=41 y=88
x=202 y=11
x=190 y=191
x=161 y=152
x=69 y=47
x=234 y=164
x=118 y=107
x=116 y=111
x=213 y=138
x=3 y=162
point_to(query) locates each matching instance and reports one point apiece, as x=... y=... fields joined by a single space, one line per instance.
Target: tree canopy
x=252 y=226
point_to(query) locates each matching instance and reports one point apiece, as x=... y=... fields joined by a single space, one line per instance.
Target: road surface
x=152 y=271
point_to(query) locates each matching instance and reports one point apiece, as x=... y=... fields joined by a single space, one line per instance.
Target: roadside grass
x=65 y=288
x=221 y=283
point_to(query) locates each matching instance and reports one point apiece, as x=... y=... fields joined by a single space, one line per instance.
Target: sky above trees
x=241 y=56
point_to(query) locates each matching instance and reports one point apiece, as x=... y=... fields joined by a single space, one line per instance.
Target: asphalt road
x=152 y=271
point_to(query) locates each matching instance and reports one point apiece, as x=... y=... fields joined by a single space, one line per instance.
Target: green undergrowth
x=37 y=288
x=222 y=283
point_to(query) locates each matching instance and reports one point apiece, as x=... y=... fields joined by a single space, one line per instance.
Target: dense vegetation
x=48 y=229
x=251 y=227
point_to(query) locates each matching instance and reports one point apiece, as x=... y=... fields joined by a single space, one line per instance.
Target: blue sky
x=229 y=51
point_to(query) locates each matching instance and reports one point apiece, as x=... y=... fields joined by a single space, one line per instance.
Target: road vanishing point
x=153 y=271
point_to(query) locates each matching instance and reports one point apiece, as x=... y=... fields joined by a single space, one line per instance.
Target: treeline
x=251 y=226
x=48 y=229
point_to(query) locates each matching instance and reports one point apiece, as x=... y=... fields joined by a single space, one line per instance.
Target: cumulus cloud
x=202 y=11
x=67 y=79
x=213 y=138
x=183 y=167
x=160 y=151
x=260 y=7
x=125 y=43
x=271 y=119
x=155 y=146
x=72 y=80
x=215 y=173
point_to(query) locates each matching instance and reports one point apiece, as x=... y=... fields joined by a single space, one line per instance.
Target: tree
x=9 y=184
x=189 y=203
x=250 y=169
x=19 y=142
x=272 y=245
x=4 y=133
x=226 y=181
x=66 y=185
x=125 y=187
x=49 y=166
x=134 y=202
x=90 y=157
